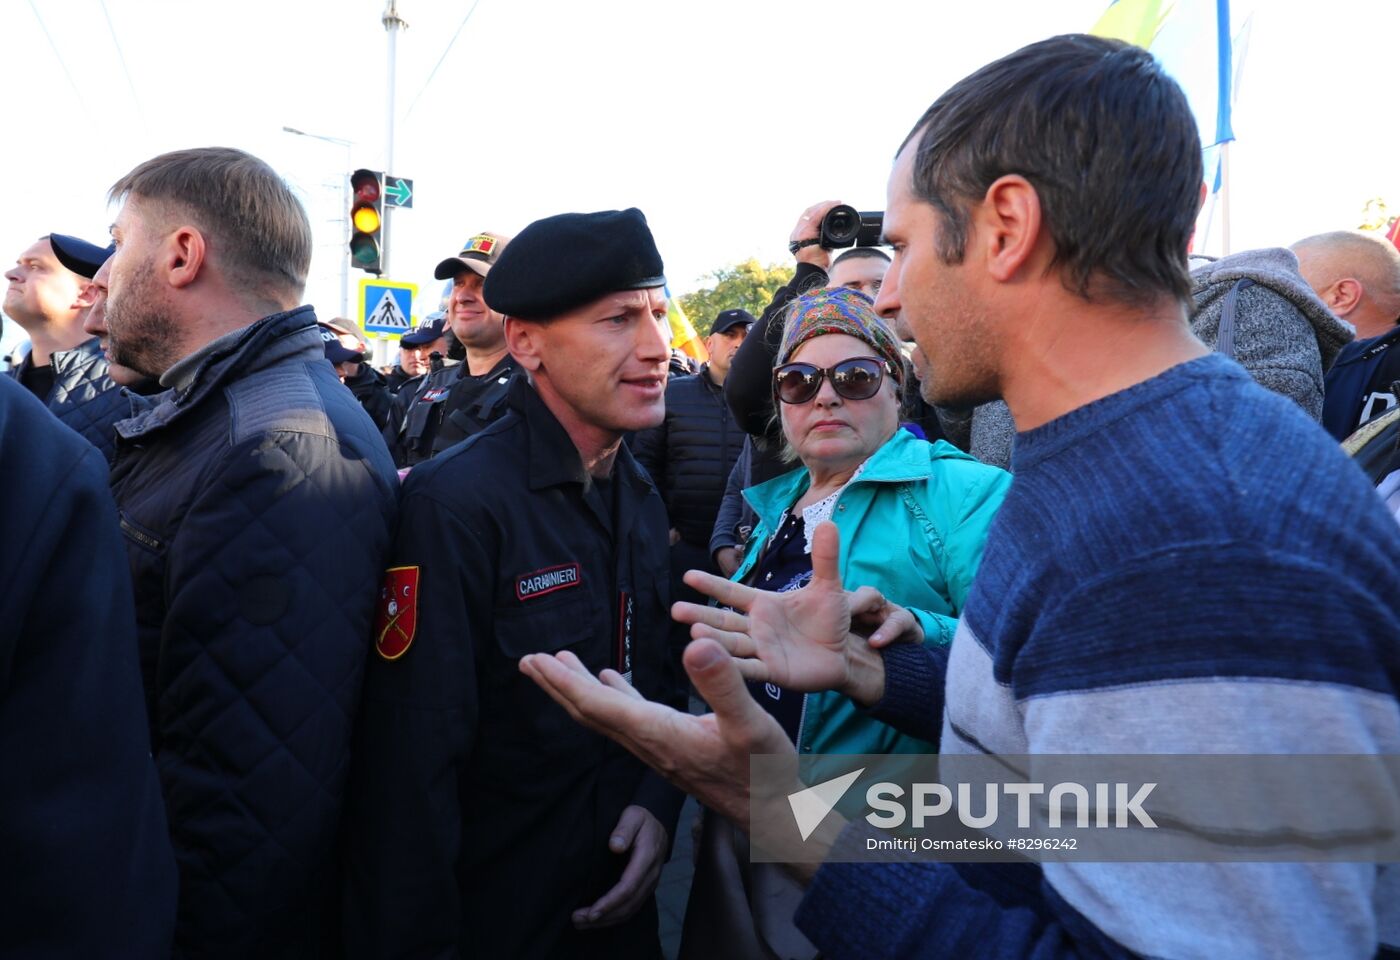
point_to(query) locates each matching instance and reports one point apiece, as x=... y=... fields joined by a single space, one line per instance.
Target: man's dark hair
x=258 y=227
x=1107 y=140
x=862 y=253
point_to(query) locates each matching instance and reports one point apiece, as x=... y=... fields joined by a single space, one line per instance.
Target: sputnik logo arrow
x=810 y=806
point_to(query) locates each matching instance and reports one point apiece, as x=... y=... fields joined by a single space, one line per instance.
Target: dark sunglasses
x=855 y=379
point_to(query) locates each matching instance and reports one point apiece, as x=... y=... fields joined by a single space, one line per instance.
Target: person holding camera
x=748 y=388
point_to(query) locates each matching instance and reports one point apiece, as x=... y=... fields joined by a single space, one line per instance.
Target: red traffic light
x=366 y=187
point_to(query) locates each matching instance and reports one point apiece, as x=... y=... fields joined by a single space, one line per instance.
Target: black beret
x=562 y=262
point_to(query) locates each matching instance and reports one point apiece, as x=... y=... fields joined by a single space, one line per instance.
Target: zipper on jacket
x=139 y=535
x=801 y=724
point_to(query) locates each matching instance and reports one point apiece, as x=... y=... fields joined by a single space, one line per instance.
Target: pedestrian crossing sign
x=386 y=306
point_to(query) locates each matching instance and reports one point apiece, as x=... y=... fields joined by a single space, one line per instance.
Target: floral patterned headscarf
x=839 y=310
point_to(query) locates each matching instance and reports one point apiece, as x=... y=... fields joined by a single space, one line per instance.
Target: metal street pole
x=344 y=213
x=392 y=23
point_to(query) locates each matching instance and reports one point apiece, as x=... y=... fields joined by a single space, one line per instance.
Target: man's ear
x=523 y=342
x=1006 y=227
x=184 y=255
x=1344 y=296
x=87 y=296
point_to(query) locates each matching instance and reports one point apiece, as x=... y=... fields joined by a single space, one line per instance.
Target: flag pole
x=1225 y=199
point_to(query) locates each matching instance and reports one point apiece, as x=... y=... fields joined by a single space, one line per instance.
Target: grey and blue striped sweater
x=1187 y=566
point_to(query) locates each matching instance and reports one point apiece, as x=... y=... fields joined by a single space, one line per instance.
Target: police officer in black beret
x=456 y=401
x=484 y=819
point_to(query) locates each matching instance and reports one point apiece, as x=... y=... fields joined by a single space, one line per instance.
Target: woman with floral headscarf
x=912 y=517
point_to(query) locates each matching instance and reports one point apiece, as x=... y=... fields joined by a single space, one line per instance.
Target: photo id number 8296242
x=1042 y=843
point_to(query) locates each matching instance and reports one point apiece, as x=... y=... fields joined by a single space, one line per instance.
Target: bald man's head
x=1357 y=275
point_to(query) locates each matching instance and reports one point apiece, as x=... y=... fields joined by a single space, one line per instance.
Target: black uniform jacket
x=372 y=390
x=690 y=454
x=480 y=812
x=449 y=406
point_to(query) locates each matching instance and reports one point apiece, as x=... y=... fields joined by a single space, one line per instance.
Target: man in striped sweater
x=1185 y=564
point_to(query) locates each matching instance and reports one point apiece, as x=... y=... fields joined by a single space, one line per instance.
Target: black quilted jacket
x=84 y=397
x=257 y=506
x=690 y=455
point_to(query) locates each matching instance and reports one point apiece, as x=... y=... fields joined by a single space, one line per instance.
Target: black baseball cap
x=426 y=332
x=83 y=258
x=337 y=352
x=729 y=319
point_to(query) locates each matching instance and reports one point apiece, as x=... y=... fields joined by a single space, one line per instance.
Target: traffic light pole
x=392 y=22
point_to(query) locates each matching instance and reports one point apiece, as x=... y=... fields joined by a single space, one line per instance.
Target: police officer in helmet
x=508 y=829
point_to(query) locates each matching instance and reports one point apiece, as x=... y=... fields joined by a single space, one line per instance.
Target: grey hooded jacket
x=1282 y=334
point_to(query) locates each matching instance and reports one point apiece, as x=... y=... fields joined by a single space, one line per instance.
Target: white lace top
x=819 y=511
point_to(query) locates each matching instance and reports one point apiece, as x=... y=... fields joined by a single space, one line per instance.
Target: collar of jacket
x=901 y=459
x=64 y=362
x=554 y=460
x=80 y=358
x=502 y=367
x=279 y=338
x=1362 y=350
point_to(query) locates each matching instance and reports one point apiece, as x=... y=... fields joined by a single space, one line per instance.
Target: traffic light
x=367 y=221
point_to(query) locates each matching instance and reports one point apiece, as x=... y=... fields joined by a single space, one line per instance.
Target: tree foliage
x=748 y=285
x=1376 y=215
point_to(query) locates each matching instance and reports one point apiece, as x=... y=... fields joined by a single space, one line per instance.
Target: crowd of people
x=309 y=659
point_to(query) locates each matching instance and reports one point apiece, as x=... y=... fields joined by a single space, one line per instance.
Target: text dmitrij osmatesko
x=1107 y=805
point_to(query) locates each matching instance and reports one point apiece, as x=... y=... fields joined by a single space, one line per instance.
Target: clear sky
x=721 y=120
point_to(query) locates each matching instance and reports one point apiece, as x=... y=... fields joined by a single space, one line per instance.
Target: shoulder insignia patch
x=396 y=618
x=528 y=586
x=433 y=395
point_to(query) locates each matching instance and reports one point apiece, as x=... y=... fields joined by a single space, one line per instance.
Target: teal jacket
x=912 y=525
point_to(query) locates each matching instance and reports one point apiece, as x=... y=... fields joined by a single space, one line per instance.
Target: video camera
x=845 y=226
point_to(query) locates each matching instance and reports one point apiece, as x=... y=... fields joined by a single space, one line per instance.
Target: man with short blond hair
x=256 y=499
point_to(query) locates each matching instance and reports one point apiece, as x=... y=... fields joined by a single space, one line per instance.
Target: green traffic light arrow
x=399 y=191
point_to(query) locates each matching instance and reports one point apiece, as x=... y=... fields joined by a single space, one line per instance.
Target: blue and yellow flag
x=684 y=336
x=1195 y=42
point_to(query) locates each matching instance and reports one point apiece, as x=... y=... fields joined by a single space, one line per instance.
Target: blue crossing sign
x=386 y=306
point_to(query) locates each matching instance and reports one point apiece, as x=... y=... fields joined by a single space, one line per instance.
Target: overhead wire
x=434 y=71
x=61 y=62
x=121 y=56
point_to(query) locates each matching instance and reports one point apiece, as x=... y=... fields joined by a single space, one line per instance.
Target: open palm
x=797 y=639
